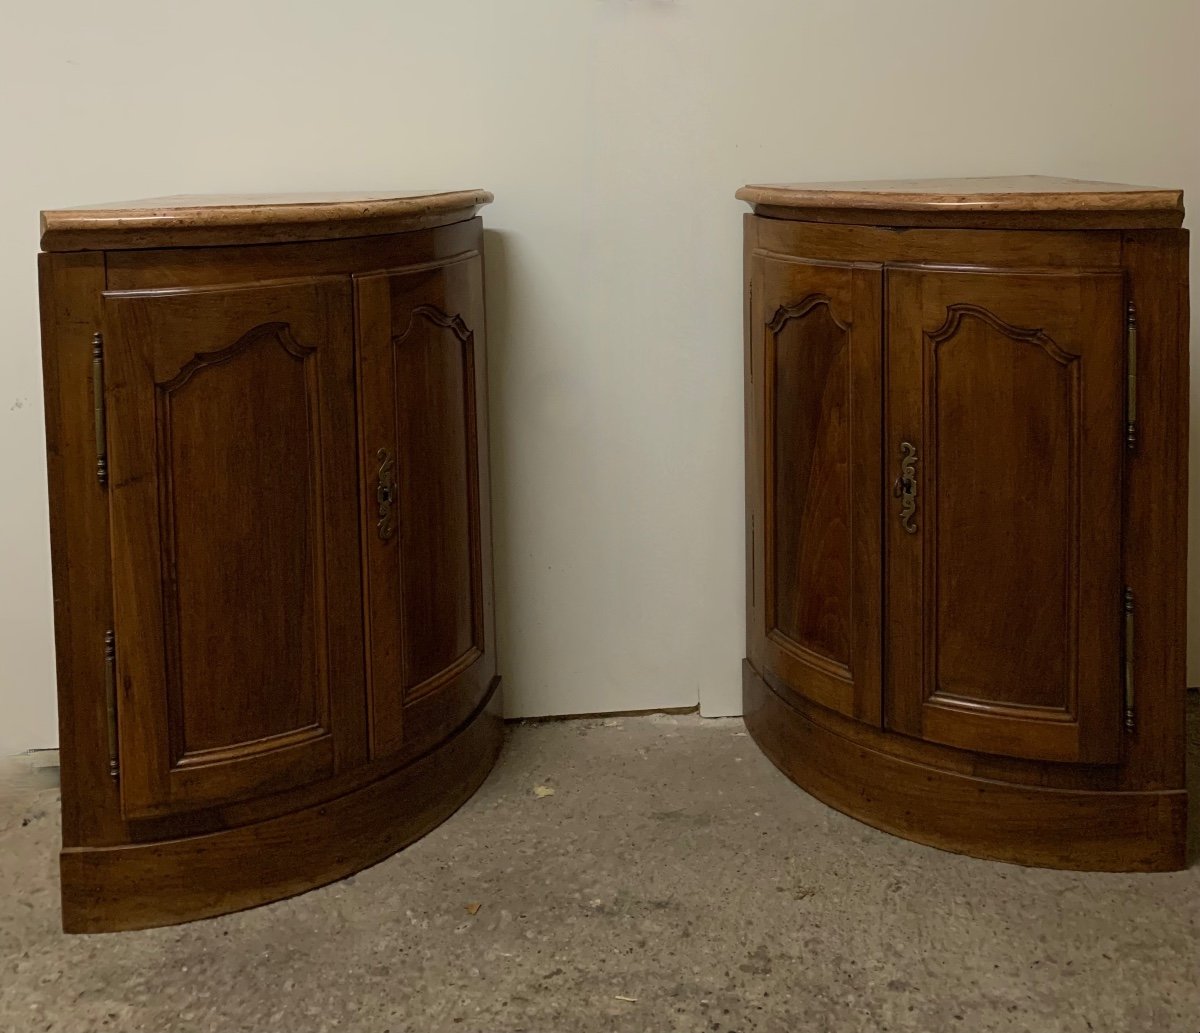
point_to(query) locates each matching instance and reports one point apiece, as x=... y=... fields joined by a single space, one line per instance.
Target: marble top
x=187 y=219
x=981 y=194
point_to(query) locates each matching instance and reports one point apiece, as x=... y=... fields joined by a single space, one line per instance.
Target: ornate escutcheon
x=385 y=493
x=905 y=488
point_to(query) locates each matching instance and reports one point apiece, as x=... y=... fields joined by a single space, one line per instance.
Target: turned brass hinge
x=1128 y=609
x=110 y=699
x=1130 y=376
x=98 y=408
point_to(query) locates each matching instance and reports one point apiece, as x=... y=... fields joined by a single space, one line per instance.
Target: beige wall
x=613 y=133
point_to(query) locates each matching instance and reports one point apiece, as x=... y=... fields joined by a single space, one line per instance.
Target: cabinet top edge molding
x=982 y=200
x=197 y=220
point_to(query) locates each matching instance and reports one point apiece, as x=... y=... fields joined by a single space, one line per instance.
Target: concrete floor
x=674 y=881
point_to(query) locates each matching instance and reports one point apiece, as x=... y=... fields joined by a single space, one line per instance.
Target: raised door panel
x=814 y=466
x=427 y=539
x=1006 y=438
x=235 y=541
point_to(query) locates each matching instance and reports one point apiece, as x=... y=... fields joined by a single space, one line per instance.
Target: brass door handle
x=385 y=493
x=905 y=488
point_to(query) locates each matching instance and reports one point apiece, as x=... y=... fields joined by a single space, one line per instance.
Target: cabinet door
x=235 y=541
x=427 y=535
x=814 y=480
x=1005 y=418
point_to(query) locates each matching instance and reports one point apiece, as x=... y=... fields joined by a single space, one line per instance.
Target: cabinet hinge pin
x=1128 y=608
x=98 y=407
x=1130 y=376
x=750 y=302
x=110 y=699
x=753 y=563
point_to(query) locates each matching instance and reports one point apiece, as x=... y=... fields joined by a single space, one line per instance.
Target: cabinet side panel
x=1156 y=519
x=71 y=285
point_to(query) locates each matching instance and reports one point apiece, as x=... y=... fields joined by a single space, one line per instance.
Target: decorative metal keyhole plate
x=906 y=486
x=385 y=493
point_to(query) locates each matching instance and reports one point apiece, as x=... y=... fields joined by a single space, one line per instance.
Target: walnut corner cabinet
x=966 y=431
x=266 y=425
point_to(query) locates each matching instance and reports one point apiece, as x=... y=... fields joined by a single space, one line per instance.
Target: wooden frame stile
x=1154 y=549
x=71 y=285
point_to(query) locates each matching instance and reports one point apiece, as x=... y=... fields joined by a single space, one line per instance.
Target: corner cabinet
x=268 y=465
x=966 y=428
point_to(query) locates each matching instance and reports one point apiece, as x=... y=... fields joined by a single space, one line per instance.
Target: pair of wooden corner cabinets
x=267 y=438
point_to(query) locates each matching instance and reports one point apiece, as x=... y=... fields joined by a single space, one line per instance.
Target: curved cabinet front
x=158 y=882
x=271 y=540
x=966 y=532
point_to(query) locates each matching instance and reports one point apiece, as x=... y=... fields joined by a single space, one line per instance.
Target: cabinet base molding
x=1029 y=825
x=139 y=886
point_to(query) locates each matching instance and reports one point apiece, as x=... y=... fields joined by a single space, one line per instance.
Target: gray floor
x=673 y=881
